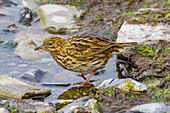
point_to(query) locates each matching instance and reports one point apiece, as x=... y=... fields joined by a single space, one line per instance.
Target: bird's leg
x=82 y=75
x=86 y=79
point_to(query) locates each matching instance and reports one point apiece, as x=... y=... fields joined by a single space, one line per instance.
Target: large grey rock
x=121 y=83
x=12 y=88
x=26 y=45
x=143 y=33
x=57 y=17
x=150 y=108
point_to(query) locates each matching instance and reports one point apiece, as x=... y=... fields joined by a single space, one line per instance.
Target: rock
x=77 y=105
x=59 y=104
x=27 y=42
x=3 y=110
x=12 y=88
x=33 y=75
x=35 y=106
x=150 y=108
x=121 y=83
x=88 y=107
x=57 y=17
x=143 y=33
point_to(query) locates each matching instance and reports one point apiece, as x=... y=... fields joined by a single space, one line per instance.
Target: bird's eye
x=50 y=44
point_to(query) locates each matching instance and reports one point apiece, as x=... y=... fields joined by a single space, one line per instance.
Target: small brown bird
x=83 y=54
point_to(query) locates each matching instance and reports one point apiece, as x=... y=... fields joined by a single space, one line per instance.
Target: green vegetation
x=161 y=60
x=76 y=3
x=79 y=17
x=116 y=24
x=168 y=77
x=128 y=85
x=159 y=95
x=9 y=44
x=145 y=6
x=131 y=13
x=107 y=91
x=97 y=16
x=168 y=3
x=146 y=51
x=118 y=11
x=1 y=41
x=154 y=87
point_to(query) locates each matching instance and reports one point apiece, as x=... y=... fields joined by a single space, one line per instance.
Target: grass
x=146 y=51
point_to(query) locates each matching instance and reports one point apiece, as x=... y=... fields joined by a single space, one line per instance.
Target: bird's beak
x=40 y=47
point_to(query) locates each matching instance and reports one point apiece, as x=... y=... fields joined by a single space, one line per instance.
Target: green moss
x=168 y=2
x=146 y=51
x=168 y=77
x=139 y=18
x=145 y=6
x=97 y=16
x=77 y=17
x=1 y=41
x=116 y=24
x=96 y=107
x=78 y=2
x=118 y=11
x=107 y=91
x=154 y=87
x=128 y=85
x=159 y=95
x=10 y=44
x=161 y=60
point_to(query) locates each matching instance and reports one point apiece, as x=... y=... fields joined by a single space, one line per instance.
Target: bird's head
x=51 y=44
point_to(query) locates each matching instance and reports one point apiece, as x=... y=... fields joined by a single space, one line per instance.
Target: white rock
x=3 y=110
x=120 y=83
x=57 y=16
x=26 y=46
x=150 y=108
x=143 y=33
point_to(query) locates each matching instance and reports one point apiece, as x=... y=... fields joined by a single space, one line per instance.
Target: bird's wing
x=85 y=46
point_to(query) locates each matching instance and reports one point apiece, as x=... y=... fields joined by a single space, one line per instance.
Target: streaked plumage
x=83 y=54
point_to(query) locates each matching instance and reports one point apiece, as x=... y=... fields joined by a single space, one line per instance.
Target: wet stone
x=35 y=106
x=33 y=75
x=12 y=88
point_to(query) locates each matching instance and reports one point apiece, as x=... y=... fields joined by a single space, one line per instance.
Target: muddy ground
x=104 y=18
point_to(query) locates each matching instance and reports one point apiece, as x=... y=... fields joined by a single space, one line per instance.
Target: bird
x=82 y=53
